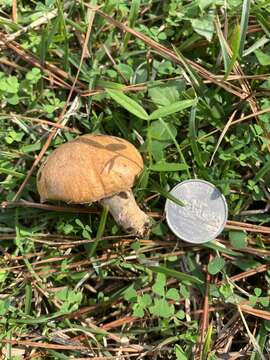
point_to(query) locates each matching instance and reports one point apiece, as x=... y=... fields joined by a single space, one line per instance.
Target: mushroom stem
x=126 y=212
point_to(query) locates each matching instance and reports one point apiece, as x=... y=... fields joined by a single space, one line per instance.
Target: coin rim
x=225 y=206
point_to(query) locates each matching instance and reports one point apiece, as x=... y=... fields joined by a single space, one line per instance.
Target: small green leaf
x=264 y=301
x=138 y=310
x=171 y=109
x=173 y=294
x=145 y=300
x=162 y=308
x=4 y=306
x=3 y=275
x=158 y=287
x=238 y=239
x=130 y=293
x=257 y=291
x=180 y=354
x=216 y=265
x=180 y=315
x=127 y=103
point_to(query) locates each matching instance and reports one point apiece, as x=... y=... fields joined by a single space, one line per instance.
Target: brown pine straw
x=13 y=117
x=63 y=112
x=163 y=51
x=205 y=313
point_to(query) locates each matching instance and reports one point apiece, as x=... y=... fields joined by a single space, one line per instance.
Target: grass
x=187 y=83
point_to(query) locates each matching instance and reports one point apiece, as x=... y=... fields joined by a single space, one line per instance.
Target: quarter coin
x=204 y=214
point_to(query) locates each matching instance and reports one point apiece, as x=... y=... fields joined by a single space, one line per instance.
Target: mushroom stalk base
x=126 y=212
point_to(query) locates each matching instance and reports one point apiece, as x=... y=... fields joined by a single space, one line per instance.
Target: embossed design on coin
x=204 y=215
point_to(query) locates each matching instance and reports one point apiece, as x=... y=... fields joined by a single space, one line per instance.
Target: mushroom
x=96 y=168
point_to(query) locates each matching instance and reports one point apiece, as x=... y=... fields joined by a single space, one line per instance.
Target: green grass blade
x=236 y=38
x=207 y=342
x=262 y=172
x=258 y=44
x=176 y=145
x=133 y=14
x=222 y=42
x=171 y=109
x=63 y=31
x=193 y=138
x=218 y=247
x=244 y=25
x=100 y=230
x=127 y=103
x=263 y=22
x=176 y=274
x=28 y=299
x=197 y=83
x=166 y=194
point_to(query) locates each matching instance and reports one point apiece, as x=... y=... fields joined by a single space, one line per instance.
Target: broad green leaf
x=263 y=58
x=204 y=26
x=171 y=109
x=158 y=132
x=167 y=167
x=216 y=265
x=166 y=94
x=176 y=274
x=238 y=239
x=127 y=103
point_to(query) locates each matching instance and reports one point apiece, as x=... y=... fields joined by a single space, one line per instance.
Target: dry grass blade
x=51 y=69
x=237 y=225
x=242 y=309
x=28 y=204
x=43 y=345
x=263 y=314
x=14 y=11
x=247 y=273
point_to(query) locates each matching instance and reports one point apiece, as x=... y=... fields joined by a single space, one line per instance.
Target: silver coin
x=204 y=214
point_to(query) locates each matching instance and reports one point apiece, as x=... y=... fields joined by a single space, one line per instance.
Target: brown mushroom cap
x=88 y=169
